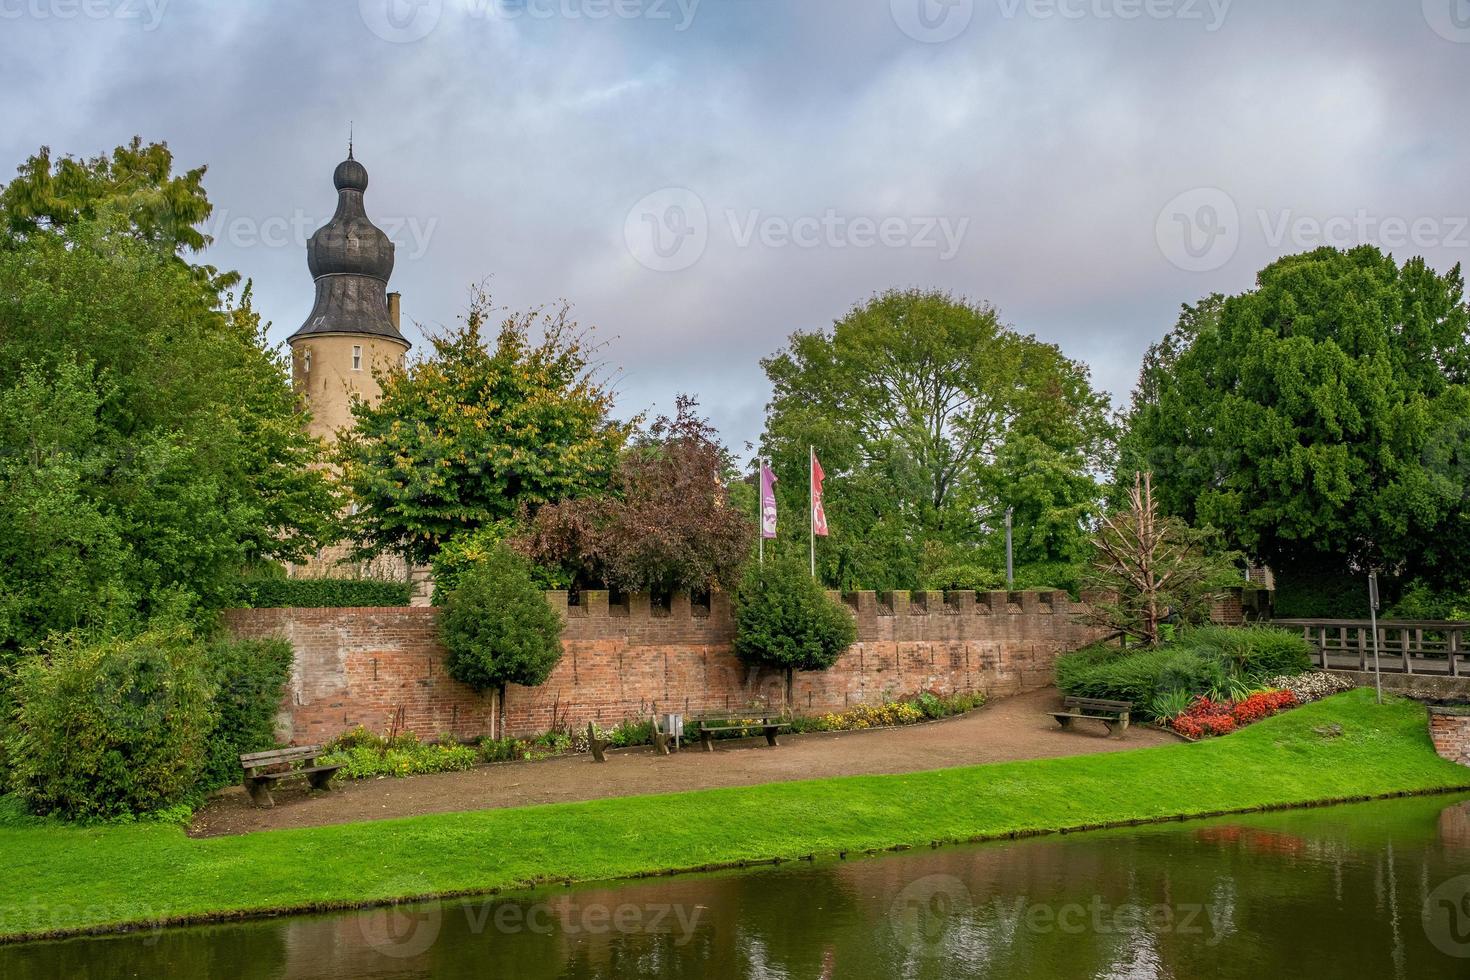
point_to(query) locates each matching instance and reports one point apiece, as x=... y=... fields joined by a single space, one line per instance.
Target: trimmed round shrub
x=497 y=625
x=1254 y=652
x=110 y=728
x=784 y=618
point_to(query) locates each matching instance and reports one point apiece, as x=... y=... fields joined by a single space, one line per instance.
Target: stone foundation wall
x=371 y=667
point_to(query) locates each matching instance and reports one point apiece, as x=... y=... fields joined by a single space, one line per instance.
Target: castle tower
x=353 y=326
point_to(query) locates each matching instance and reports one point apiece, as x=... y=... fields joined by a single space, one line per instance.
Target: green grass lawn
x=63 y=878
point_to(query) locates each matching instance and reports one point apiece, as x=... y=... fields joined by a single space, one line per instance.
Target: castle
x=351 y=332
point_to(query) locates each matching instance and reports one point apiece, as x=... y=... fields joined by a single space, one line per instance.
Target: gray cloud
x=515 y=146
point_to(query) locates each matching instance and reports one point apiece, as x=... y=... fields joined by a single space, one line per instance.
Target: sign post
x=1373 y=618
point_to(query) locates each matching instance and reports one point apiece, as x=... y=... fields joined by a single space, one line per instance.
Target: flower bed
x=1206 y=717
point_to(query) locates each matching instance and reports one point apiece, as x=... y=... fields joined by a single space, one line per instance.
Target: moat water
x=1370 y=890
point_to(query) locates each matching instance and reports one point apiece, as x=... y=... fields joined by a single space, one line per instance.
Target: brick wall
x=364 y=666
x=1451 y=734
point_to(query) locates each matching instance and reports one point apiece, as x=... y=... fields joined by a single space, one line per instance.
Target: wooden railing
x=1404 y=646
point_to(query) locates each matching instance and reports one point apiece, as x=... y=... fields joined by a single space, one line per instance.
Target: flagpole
x=760 y=508
x=811 y=502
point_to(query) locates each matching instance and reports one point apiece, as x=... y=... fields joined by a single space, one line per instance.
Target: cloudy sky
x=702 y=177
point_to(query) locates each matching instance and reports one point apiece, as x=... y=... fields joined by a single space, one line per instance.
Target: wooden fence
x=1430 y=647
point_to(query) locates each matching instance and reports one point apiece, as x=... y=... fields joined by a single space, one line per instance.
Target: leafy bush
x=1422 y=601
x=1170 y=705
x=784 y=619
x=322 y=593
x=960 y=578
x=248 y=677
x=498 y=627
x=629 y=732
x=112 y=727
x=364 y=755
x=1051 y=576
x=1255 y=652
x=1138 y=676
x=1227 y=663
x=470 y=548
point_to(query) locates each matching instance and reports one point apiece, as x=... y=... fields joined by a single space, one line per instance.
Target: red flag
x=819 y=515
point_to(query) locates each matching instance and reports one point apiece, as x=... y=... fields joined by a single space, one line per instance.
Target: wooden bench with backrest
x=263 y=768
x=1114 y=714
x=770 y=725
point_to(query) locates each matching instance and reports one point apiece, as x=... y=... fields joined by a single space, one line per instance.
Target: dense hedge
x=310 y=593
x=249 y=677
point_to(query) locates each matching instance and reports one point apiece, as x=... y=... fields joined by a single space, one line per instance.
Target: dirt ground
x=1008 y=729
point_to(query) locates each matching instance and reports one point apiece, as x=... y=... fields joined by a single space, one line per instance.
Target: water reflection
x=1373 y=890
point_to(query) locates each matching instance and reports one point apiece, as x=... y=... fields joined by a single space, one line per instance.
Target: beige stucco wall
x=331 y=384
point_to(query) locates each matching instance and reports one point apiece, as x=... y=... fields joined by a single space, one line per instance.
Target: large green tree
x=931 y=418
x=150 y=443
x=476 y=431
x=1318 y=420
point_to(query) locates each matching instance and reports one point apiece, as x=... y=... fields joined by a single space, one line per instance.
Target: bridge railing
x=1434 y=647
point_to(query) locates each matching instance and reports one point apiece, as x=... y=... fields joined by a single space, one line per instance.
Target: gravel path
x=1010 y=728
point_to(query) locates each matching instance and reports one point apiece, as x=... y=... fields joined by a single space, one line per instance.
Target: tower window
x=306 y=362
x=357 y=357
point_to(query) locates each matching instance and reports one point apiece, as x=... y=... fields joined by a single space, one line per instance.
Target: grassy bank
x=64 y=879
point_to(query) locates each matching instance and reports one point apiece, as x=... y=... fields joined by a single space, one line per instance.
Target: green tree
x=926 y=412
x=1318 y=419
x=785 y=619
x=475 y=432
x=498 y=627
x=133 y=188
x=150 y=442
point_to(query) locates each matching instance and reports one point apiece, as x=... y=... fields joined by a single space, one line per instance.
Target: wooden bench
x=264 y=768
x=1114 y=714
x=770 y=726
x=597 y=745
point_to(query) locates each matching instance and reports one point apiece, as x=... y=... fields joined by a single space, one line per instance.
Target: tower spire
x=349 y=139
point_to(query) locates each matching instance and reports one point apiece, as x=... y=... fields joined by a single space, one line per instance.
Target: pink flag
x=819 y=515
x=768 y=501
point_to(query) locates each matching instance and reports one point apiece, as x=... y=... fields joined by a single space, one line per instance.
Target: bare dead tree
x=1150 y=568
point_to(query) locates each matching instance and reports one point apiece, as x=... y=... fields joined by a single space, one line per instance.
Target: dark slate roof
x=351 y=260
